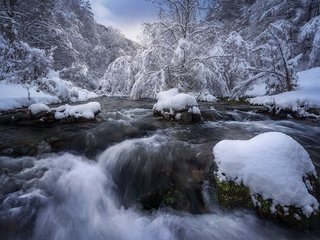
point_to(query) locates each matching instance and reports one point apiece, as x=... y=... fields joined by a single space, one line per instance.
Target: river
x=130 y=175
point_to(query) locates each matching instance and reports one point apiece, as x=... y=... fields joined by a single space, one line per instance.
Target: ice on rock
x=270 y=164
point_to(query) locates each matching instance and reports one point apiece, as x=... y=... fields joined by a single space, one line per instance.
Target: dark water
x=130 y=175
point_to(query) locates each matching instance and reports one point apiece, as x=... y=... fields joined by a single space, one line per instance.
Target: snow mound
x=88 y=111
x=38 y=107
x=270 y=164
x=174 y=100
x=304 y=97
x=16 y=96
x=47 y=90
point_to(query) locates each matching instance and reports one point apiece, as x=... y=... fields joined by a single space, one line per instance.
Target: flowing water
x=130 y=175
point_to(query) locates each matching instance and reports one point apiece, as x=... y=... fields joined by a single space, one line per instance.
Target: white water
x=70 y=197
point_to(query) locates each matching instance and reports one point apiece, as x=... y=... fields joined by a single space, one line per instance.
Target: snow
x=305 y=96
x=196 y=110
x=38 y=107
x=311 y=30
x=87 y=111
x=203 y=96
x=270 y=164
x=255 y=90
x=51 y=90
x=180 y=52
x=119 y=77
x=147 y=85
x=65 y=90
x=174 y=100
x=16 y=96
x=236 y=39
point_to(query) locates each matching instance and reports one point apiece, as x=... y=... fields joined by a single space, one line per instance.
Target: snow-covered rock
x=174 y=100
x=304 y=98
x=86 y=111
x=275 y=169
x=177 y=106
x=38 y=108
x=41 y=113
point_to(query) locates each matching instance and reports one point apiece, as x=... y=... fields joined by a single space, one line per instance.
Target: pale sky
x=126 y=15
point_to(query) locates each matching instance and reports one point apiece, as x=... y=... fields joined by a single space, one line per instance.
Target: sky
x=126 y=15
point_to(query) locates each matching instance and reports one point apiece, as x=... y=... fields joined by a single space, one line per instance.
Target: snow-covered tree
x=310 y=35
x=175 y=52
x=68 y=26
x=300 y=23
x=119 y=77
x=184 y=15
x=21 y=63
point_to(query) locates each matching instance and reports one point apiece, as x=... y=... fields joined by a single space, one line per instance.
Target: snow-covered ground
x=16 y=96
x=270 y=164
x=307 y=94
x=57 y=90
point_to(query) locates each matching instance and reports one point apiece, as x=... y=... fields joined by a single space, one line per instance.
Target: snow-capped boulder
x=45 y=114
x=38 y=108
x=40 y=111
x=173 y=105
x=83 y=111
x=270 y=172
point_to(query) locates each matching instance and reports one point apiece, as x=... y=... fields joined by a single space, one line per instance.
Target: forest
x=210 y=49
x=205 y=127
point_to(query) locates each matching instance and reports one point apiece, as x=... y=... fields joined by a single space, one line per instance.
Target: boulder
x=41 y=113
x=232 y=195
x=176 y=106
x=270 y=173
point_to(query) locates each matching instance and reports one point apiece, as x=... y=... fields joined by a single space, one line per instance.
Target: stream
x=130 y=175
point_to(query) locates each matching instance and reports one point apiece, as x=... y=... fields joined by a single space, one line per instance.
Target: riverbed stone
x=183 y=116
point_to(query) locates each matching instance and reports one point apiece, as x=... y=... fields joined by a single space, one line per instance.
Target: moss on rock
x=232 y=195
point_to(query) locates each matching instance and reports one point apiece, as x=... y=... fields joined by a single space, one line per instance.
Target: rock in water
x=180 y=107
x=271 y=173
x=41 y=113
